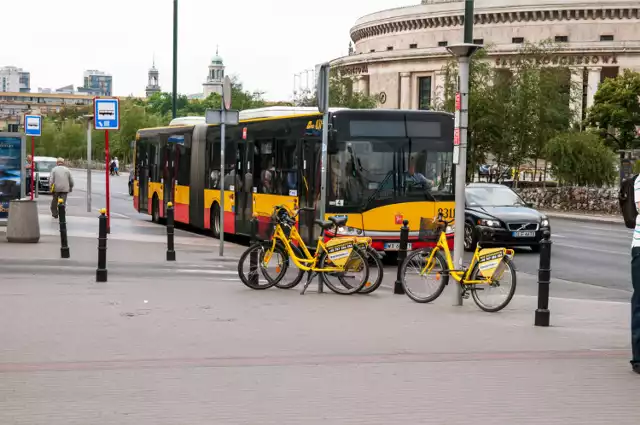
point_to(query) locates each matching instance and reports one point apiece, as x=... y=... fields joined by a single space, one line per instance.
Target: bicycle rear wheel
x=263 y=274
x=424 y=287
x=353 y=278
x=502 y=289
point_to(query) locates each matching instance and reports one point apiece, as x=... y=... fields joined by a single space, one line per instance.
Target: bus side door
x=309 y=187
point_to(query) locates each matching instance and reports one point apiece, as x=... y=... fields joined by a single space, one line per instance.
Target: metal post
x=175 y=59
x=171 y=253
x=64 y=244
x=461 y=173
x=222 y=174
x=398 y=289
x=253 y=259
x=323 y=169
x=107 y=167
x=33 y=163
x=468 y=21
x=101 y=272
x=543 y=315
x=89 y=148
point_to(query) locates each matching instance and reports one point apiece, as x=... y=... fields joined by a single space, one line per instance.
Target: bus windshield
x=367 y=173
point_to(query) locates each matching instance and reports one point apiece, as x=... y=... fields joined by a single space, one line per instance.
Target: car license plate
x=394 y=246
x=524 y=234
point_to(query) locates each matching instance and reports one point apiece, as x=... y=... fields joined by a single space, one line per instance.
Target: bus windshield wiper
x=378 y=190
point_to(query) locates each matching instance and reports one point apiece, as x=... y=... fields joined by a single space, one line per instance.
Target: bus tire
x=155 y=209
x=215 y=220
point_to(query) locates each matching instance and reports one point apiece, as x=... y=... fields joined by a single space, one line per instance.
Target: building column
x=438 y=88
x=594 y=82
x=405 y=90
x=363 y=84
x=577 y=86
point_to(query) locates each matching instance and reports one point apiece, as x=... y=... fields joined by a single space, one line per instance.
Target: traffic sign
x=226 y=92
x=107 y=113
x=33 y=125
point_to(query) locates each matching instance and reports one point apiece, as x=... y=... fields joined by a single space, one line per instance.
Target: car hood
x=509 y=214
x=43 y=174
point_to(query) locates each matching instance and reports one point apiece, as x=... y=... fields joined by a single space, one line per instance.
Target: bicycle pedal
x=465 y=295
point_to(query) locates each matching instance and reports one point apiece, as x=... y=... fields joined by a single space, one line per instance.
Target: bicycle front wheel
x=354 y=276
x=495 y=295
x=376 y=272
x=261 y=267
x=424 y=282
x=293 y=275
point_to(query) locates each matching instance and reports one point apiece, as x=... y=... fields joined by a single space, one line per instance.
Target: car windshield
x=45 y=166
x=498 y=196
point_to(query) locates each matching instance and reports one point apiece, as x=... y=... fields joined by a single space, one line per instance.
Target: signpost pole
x=88 y=165
x=106 y=153
x=33 y=162
x=222 y=139
x=322 y=96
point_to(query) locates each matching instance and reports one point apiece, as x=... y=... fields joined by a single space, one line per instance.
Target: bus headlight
x=449 y=230
x=349 y=231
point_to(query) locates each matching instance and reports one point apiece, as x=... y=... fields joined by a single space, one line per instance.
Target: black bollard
x=171 y=253
x=64 y=244
x=253 y=259
x=101 y=272
x=543 y=315
x=402 y=254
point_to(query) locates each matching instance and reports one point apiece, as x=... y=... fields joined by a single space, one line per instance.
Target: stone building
x=399 y=53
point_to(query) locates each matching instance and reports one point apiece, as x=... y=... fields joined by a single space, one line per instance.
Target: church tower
x=153 y=85
x=215 y=76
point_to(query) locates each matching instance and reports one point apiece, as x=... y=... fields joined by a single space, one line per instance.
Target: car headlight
x=349 y=231
x=489 y=223
x=544 y=222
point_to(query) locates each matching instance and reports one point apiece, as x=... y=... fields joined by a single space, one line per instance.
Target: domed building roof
x=217 y=59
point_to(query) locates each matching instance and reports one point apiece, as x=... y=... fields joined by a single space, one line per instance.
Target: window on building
x=517 y=40
x=442 y=44
x=413 y=46
x=389 y=47
x=607 y=37
x=372 y=51
x=479 y=41
x=561 y=39
x=424 y=92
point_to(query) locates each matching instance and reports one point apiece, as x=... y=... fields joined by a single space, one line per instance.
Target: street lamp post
x=463 y=53
x=174 y=99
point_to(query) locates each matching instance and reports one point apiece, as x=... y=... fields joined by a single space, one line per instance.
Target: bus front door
x=142 y=152
x=309 y=188
x=169 y=174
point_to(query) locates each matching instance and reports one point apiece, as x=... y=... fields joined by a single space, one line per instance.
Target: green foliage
x=341 y=94
x=616 y=106
x=581 y=159
x=514 y=112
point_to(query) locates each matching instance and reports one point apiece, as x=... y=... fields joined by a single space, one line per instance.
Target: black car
x=514 y=222
x=131 y=182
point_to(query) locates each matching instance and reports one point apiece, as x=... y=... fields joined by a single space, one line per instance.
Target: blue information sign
x=11 y=167
x=33 y=125
x=107 y=113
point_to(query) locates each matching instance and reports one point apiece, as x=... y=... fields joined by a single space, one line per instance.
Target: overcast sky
x=265 y=45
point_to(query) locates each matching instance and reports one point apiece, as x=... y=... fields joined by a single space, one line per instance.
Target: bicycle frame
x=461 y=276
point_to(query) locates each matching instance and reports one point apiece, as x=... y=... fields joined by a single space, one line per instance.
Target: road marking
x=114 y=214
x=554 y=235
x=605 y=251
x=201 y=271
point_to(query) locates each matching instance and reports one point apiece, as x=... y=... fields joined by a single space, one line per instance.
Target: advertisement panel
x=11 y=170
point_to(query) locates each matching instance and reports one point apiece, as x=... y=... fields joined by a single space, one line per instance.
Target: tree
x=616 y=106
x=341 y=94
x=581 y=158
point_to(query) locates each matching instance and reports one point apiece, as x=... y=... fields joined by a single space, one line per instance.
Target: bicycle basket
x=429 y=230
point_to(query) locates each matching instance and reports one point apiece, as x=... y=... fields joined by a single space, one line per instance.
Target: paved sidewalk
x=156 y=351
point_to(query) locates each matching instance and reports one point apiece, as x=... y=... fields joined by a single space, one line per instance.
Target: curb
x=583 y=217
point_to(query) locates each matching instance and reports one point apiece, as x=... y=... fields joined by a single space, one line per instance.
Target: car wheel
x=535 y=248
x=470 y=239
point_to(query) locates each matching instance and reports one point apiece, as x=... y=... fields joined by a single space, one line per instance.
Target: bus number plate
x=395 y=246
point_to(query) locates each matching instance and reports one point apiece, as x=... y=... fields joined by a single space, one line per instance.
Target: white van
x=44 y=165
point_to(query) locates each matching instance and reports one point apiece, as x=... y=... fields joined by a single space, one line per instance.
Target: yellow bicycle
x=491 y=271
x=342 y=257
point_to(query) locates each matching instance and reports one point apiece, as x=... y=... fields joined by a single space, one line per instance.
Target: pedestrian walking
x=635 y=280
x=117 y=166
x=61 y=183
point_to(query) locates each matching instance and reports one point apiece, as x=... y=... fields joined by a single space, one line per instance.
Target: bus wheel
x=155 y=210
x=215 y=221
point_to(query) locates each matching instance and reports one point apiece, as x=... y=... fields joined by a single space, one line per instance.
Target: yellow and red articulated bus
x=384 y=166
